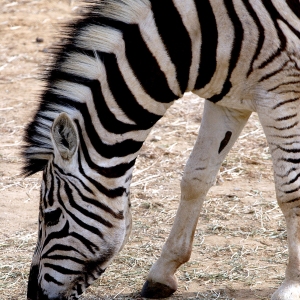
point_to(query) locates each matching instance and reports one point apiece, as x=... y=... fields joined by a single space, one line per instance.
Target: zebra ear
x=64 y=135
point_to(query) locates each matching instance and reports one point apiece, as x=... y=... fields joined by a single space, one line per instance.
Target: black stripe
x=98 y=204
x=175 y=37
x=64 y=233
x=51 y=218
x=111 y=172
x=292 y=180
x=291 y=143
x=33 y=283
x=293 y=200
x=225 y=141
x=117 y=192
x=274 y=15
x=50 y=193
x=49 y=278
x=294 y=6
x=82 y=224
x=285 y=102
x=292 y=191
x=79 y=289
x=293 y=150
x=287 y=173
x=286 y=117
x=80 y=209
x=61 y=269
x=296 y=82
x=286 y=127
x=85 y=242
x=291 y=160
x=107 y=118
x=286 y=136
x=73 y=176
x=57 y=234
x=140 y=58
x=108 y=151
x=60 y=247
x=269 y=75
x=235 y=52
x=123 y=96
x=65 y=257
x=261 y=34
x=44 y=196
x=145 y=66
x=209 y=33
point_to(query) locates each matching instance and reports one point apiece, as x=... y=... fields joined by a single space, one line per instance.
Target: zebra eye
x=52 y=217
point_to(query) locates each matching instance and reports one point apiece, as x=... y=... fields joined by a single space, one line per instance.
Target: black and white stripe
x=118 y=71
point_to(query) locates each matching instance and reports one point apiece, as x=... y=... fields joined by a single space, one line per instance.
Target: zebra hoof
x=289 y=290
x=156 y=290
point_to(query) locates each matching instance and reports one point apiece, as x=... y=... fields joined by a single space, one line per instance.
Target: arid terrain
x=240 y=247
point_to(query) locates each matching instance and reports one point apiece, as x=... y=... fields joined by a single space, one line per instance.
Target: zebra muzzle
x=34 y=292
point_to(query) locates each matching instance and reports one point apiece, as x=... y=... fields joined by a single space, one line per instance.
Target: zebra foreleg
x=220 y=128
x=281 y=124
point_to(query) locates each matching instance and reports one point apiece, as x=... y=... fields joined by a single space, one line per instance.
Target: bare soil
x=240 y=244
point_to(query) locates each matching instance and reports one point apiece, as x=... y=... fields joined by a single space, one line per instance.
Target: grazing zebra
x=121 y=66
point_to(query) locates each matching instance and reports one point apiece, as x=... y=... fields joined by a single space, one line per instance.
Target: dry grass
x=240 y=243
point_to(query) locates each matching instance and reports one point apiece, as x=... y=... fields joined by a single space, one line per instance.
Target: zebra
x=120 y=66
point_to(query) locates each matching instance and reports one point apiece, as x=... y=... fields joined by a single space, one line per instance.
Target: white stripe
x=271 y=44
x=109 y=40
x=91 y=68
x=127 y=11
x=156 y=46
x=225 y=42
x=106 y=136
x=189 y=16
x=287 y=13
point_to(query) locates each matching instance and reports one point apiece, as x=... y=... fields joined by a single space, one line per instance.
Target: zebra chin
x=53 y=290
x=35 y=292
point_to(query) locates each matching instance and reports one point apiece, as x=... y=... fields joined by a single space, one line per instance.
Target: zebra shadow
x=209 y=294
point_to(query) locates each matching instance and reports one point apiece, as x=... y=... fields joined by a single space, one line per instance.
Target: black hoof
x=156 y=290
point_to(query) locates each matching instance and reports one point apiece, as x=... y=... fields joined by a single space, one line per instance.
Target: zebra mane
x=38 y=147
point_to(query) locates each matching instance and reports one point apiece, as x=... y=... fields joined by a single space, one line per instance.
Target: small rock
x=39 y=40
x=155 y=138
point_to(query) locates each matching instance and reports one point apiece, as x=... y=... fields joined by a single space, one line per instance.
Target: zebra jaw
x=48 y=278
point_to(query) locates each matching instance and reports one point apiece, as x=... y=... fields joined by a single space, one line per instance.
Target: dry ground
x=240 y=244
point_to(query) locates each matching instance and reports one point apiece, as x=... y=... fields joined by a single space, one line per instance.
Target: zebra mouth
x=34 y=292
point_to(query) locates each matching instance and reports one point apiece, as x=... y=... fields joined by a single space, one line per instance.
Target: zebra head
x=82 y=224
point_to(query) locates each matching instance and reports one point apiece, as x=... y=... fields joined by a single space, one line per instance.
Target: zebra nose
x=41 y=296
x=32 y=288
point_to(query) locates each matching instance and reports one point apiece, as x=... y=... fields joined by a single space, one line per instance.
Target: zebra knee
x=289 y=204
x=195 y=184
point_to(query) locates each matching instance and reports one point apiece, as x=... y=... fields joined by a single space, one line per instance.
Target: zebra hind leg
x=281 y=124
x=220 y=128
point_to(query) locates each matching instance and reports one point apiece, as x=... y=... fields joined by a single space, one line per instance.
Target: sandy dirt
x=240 y=244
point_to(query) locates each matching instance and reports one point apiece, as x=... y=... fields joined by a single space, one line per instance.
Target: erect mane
x=38 y=145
